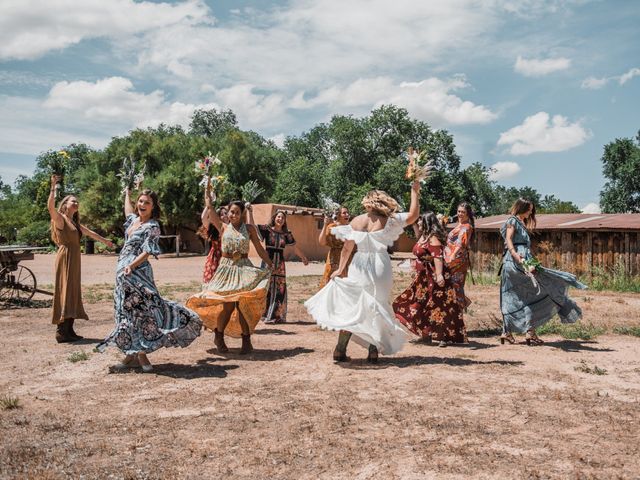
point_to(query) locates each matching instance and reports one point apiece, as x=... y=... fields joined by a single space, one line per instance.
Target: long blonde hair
x=380 y=202
x=75 y=219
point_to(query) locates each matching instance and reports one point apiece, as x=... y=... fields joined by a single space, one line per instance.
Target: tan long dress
x=67 y=297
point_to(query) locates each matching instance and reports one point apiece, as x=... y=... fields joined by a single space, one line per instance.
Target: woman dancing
x=327 y=239
x=530 y=297
x=429 y=307
x=211 y=233
x=234 y=299
x=144 y=320
x=66 y=232
x=456 y=252
x=276 y=237
x=359 y=304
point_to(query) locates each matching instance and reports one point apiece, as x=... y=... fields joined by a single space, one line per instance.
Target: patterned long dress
x=67 y=297
x=213 y=258
x=144 y=320
x=456 y=256
x=333 y=256
x=276 y=310
x=425 y=308
x=524 y=305
x=236 y=280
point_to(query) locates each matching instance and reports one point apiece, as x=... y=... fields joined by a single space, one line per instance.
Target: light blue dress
x=144 y=320
x=524 y=305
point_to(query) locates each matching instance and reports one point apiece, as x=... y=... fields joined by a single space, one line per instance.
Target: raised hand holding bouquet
x=211 y=180
x=56 y=162
x=329 y=207
x=419 y=165
x=129 y=178
x=250 y=191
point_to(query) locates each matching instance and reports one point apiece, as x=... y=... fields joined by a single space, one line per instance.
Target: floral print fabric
x=144 y=320
x=275 y=242
x=425 y=308
x=456 y=256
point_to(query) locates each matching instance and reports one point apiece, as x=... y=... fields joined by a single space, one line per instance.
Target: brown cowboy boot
x=72 y=332
x=246 y=345
x=218 y=341
x=62 y=332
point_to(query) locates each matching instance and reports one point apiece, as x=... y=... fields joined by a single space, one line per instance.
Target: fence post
x=178 y=245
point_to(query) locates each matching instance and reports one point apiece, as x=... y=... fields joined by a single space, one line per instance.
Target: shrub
x=36 y=234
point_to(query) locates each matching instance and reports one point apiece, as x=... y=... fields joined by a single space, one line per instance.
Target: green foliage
x=297 y=184
x=211 y=123
x=595 y=370
x=614 y=279
x=625 y=330
x=80 y=356
x=8 y=402
x=550 y=204
x=573 y=331
x=36 y=234
x=620 y=165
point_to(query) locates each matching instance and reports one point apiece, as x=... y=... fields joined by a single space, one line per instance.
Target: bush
x=36 y=234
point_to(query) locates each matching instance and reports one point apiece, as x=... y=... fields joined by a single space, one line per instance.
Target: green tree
x=621 y=168
x=551 y=204
x=211 y=123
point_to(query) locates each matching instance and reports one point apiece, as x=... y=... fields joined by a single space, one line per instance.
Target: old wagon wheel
x=18 y=285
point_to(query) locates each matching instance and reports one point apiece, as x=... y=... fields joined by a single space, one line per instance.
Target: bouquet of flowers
x=129 y=178
x=250 y=191
x=329 y=207
x=211 y=180
x=532 y=265
x=56 y=162
x=419 y=165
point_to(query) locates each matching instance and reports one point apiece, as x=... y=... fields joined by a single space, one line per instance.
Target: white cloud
x=31 y=28
x=593 y=83
x=591 y=208
x=540 y=133
x=278 y=139
x=625 y=77
x=504 y=170
x=538 y=68
x=431 y=100
x=114 y=100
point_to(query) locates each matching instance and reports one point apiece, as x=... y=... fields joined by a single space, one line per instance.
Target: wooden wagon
x=17 y=282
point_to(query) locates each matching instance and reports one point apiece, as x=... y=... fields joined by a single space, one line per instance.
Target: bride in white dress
x=359 y=304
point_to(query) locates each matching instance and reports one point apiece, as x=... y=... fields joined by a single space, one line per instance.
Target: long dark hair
x=472 y=217
x=272 y=222
x=430 y=226
x=156 y=212
x=522 y=205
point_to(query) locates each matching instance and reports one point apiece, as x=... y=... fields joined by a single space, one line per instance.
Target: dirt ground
x=568 y=409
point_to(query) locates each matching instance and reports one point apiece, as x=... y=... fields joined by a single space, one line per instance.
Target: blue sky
x=531 y=88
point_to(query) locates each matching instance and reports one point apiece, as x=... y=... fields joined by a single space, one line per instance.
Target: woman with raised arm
x=359 y=304
x=327 y=239
x=456 y=252
x=276 y=237
x=234 y=299
x=66 y=232
x=429 y=307
x=144 y=320
x=212 y=235
x=530 y=296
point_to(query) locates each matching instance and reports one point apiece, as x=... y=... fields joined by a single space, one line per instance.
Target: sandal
x=532 y=339
x=508 y=337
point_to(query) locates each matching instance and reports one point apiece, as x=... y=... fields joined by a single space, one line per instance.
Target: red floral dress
x=215 y=253
x=426 y=308
x=456 y=256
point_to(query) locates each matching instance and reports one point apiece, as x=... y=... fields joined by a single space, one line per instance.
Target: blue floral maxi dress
x=144 y=320
x=524 y=305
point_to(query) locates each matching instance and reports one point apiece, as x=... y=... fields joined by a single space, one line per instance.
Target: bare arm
x=509 y=240
x=438 y=262
x=344 y=258
x=253 y=234
x=416 y=230
x=414 y=207
x=99 y=238
x=128 y=208
x=250 y=219
x=56 y=216
x=136 y=263
x=322 y=239
x=212 y=216
x=300 y=254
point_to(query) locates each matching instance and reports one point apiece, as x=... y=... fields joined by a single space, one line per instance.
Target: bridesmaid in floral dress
x=144 y=320
x=429 y=307
x=233 y=301
x=327 y=239
x=456 y=253
x=276 y=237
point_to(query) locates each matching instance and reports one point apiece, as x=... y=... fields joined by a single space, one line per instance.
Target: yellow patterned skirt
x=234 y=281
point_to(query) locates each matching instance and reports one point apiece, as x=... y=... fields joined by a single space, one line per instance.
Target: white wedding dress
x=360 y=303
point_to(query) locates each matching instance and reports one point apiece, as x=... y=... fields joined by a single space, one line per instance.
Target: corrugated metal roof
x=570 y=221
